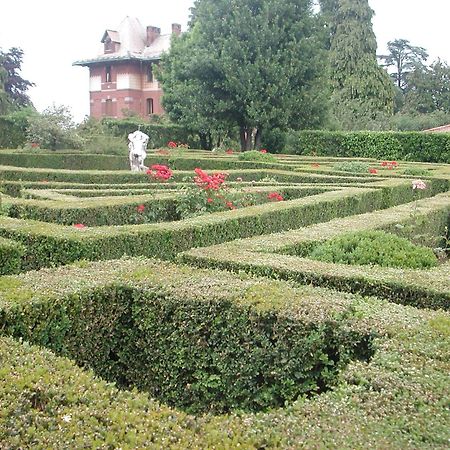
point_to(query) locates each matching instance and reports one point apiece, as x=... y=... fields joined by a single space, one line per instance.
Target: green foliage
x=416 y=171
x=160 y=134
x=410 y=146
x=255 y=155
x=13 y=88
x=253 y=64
x=11 y=253
x=53 y=129
x=352 y=166
x=361 y=90
x=195 y=340
x=375 y=247
x=13 y=128
x=405 y=58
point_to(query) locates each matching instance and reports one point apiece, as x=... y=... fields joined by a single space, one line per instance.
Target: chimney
x=152 y=34
x=176 y=29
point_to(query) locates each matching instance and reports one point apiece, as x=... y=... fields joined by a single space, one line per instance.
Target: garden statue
x=137 y=147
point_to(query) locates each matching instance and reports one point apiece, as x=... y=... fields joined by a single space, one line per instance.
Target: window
x=149 y=106
x=109 y=45
x=150 y=73
x=108 y=74
x=109 y=108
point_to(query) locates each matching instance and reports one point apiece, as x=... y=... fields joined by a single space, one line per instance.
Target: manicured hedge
x=271 y=255
x=410 y=146
x=11 y=253
x=197 y=340
x=51 y=244
x=397 y=400
x=159 y=134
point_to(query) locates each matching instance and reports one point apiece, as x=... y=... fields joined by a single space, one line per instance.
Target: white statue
x=137 y=147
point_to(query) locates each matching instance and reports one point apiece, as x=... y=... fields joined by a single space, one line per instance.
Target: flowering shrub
x=172 y=144
x=315 y=165
x=389 y=164
x=275 y=196
x=419 y=184
x=140 y=208
x=160 y=172
x=372 y=170
x=79 y=226
x=263 y=150
x=229 y=151
x=207 y=193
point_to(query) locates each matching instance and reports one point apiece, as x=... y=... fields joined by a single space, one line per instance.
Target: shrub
x=352 y=166
x=11 y=253
x=374 y=247
x=255 y=155
x=416 y=171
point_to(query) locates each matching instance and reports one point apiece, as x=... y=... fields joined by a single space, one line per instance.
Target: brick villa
x=122 y=78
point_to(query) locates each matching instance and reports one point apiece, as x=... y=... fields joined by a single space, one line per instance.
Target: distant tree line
x=250 y=71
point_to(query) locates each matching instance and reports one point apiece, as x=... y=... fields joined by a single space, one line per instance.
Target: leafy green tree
x=361 y=89
x=13 y=88
x=429 y=89
x=54 y=129
x=405 y=58
x=255 y=64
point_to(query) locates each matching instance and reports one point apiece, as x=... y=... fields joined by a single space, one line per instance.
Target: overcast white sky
x=54 y=33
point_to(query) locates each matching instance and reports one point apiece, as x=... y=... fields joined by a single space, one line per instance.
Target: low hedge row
x=11 y=254
x=276 y=255
x=51 y=244
x=135 y=209
x=397 y=400
x=85 y=161
x=197 y=340
x=9 y=173
x=410 y=146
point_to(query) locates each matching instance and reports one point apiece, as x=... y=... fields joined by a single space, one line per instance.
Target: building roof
x=131 y=39
x=442 y=129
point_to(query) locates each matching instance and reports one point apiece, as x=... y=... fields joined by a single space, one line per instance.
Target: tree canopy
x=13 y=88
x=252 y=63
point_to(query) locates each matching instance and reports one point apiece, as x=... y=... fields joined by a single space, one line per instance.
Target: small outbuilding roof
x=441 y=129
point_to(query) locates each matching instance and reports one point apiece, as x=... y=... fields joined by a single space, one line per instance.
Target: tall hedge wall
x=409 y=146
x=160 y=134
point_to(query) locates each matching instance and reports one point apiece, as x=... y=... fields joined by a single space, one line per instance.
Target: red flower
x=275 y=196
x=140 y=208
x=229 y=151
x=263 y=150
x=172 y=144
x=372 y=170
x=209 y=182
x=230 y=205
x=34 y=145
x=384 y=164
x=79 y=226
x=209 y=200
x=160 y=172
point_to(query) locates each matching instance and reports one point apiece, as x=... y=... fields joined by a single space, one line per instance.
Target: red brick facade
x=134 y=95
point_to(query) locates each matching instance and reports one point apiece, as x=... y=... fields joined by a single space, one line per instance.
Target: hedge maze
x=128 y=320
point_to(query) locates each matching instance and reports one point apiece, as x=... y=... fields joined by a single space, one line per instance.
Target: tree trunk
x=246 y=138
x=258 y=138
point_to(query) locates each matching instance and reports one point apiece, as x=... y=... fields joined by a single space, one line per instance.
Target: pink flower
x=160 y=172
x=172 y=144
x=209 y=200
x=263 y=150
x=80 y=226
x=372 y=170
x=229 y=151
x=140 y=208
x=230 y=205
x=419 y=184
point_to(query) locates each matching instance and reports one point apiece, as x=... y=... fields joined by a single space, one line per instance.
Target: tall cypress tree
x=361 y=89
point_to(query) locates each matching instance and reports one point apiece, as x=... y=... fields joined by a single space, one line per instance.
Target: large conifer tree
x=361 y=89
